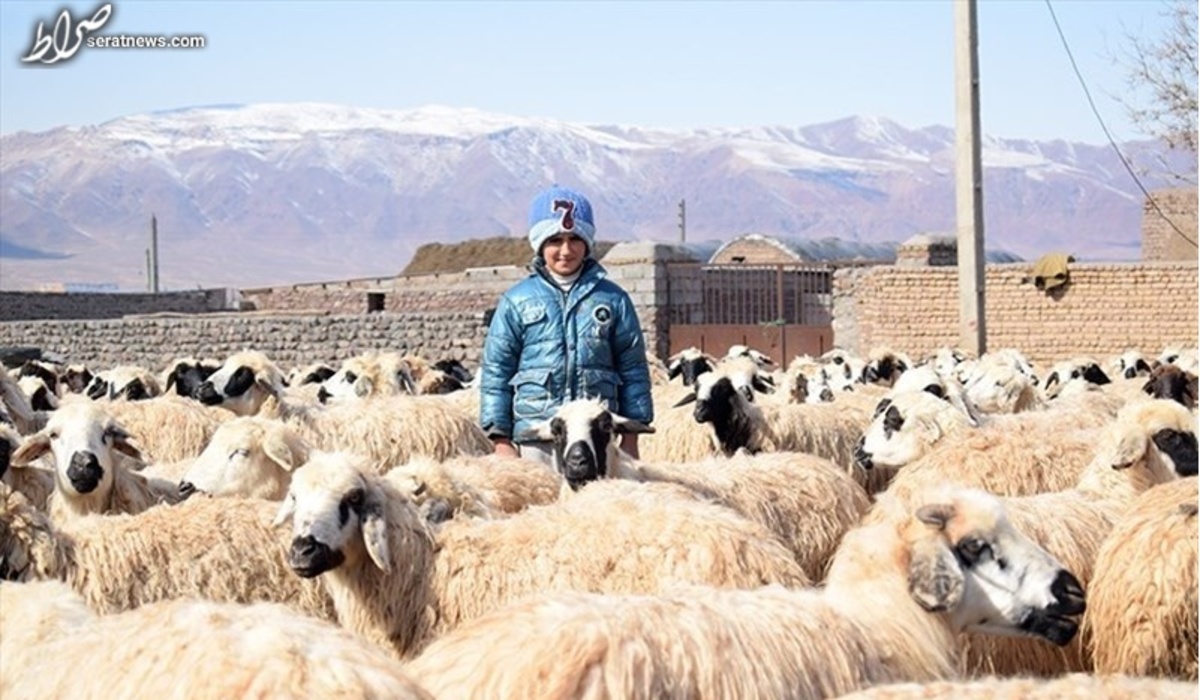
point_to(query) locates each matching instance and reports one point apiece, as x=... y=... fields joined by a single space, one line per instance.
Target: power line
x=1111 y=141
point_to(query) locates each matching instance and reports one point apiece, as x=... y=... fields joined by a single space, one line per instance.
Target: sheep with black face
x=581 y=432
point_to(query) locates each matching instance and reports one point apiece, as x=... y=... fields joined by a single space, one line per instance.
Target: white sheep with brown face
x=250 y=457
x=896 y=596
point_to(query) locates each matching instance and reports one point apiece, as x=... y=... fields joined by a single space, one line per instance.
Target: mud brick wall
x=1161 y=240
x=1104 y=310
x=24 y=306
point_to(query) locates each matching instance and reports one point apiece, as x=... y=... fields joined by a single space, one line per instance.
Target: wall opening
x=375 y=302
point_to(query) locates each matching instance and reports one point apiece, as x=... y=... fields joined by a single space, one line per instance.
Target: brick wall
x=1160 y=241
x=20 y=306
x=289 y=340
x=1106 y=309
x=472 y=290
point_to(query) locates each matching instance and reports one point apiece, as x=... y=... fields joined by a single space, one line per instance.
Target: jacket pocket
x=531 y=393
x=601 y=383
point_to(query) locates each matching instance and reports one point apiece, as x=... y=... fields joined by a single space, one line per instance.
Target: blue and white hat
x=560 y=210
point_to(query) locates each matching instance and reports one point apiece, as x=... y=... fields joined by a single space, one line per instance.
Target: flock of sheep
x=878 y=527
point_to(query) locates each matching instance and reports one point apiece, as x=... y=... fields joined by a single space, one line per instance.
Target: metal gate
x=782 y=310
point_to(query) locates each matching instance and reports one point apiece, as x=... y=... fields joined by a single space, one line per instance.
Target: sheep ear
x=1130 y=447
x=538 y=432
x=282 y=448
x=266 y=385
x=934 y=579
x=406 y=381
x=33 y=447
x=936 y=514
x=1095 y=375
x=124 y=443
x=675 y=368
x=763 y=385
x=690 y=398
x=363 y=387
x=374 y=532
x=622 y=424
x=286 y=509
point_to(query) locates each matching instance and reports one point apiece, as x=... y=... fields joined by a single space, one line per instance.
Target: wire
x=1111 y=141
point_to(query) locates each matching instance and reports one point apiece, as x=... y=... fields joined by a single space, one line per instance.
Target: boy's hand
x=503 y=447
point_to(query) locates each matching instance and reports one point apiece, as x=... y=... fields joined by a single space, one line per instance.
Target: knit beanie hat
x=560 y=210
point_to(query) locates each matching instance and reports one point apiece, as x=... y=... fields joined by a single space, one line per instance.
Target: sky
x=669 y=64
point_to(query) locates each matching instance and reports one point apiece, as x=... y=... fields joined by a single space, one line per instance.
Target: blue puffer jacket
x=545 y=347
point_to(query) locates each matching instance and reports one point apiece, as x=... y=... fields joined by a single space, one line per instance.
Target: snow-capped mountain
x=275 y=193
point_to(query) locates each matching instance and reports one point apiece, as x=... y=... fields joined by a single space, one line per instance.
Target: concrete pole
x=969 y=181
x=153 y=254
x=682 y=220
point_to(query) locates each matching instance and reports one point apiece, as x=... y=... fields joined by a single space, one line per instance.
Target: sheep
x=127 y=382
x=184 y=375
x=928 y=441
x=760 y=360
x=365 y=376
x=250 y=457
x=1169 y=382
x=1075 y=686
x=218 y=549
x=34 y=482
x=1141 y=617
x=896 y=594
x=1186 y=360
x=390 y=429
x=1147 y=445
x=41 y=397
x=808 y=502
x=1080 y=370
x=454 y=367
x=825 y=430
x=396 y=583
x=884 y=366
x=85 y=443
x=47 y=372
x=16 y=408
x=429 y=379
x=688 y=364
x=1130 y=364
x=314 y=373
x=847 y=369
x=169 y=428
x=487 y=486
x=196 y=648
x=74 y=379
x=1002 y=382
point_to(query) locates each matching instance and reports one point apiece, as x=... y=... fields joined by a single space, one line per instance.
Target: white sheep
x=1001 y=382
x=124 y=382
x=1130 y=364
x=219 y=549
x=487 y=486
x=250 y=457
x=896 y=595
x=34 y=482
x=365 y=376
x=169 y=428
x=807 y=501
x=884 y=366
x=389 y=429
x=184 y=375
x=1145 y=446
x=688 y=364
x=86 y=445
x=1074 y=686
x=1142 y=601
x=397 y=583
x=41 y=396
x=16 y=408
x=928 y=441
x=174 y=648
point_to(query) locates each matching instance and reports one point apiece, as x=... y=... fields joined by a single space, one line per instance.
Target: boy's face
x=564 y=253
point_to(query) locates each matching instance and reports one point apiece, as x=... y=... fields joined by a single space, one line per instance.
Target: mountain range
x=268 y=194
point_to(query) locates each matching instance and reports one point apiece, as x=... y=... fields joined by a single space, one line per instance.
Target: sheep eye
x=420 y=489
x=557 y=428
x=604 y=423
x=239 y=453
x=972 y=549
x=53 y=435
x=351 y=377
x=355 y=498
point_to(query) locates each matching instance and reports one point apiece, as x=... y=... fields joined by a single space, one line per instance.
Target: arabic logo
x=58 y=45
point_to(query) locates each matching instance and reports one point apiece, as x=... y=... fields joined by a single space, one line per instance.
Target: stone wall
x=473 y=290
x=1104 y=310
x=22 y=306
x=289 y=340
x=1160 y=240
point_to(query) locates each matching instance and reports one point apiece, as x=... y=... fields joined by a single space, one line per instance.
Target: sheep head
x=968 y=561
x=337 y=508
x=1161 y=433
x=689 y=363
x=247 y=456
x=244 y=381
x=83 y=441
x=186 y=374
x=727 y=402
x=1170 y=382
x=1130 y=364
x=906 y=427
x=581 y=433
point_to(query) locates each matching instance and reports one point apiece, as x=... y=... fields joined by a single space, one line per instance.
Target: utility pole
x=968 y=181
x=153 y=254
x=682 y=220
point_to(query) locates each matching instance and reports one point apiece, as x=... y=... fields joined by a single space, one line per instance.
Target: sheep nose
x=579 y=464
x=1068 y=594
x=861 y=456
x=1130 y=372
x=208 y=395
x=827 y=395
x=322 y=395
x=186 y=489
x=84 y=472
x=701 y=413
